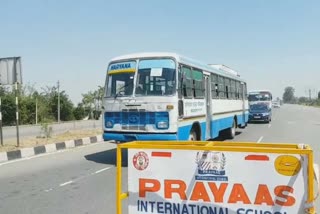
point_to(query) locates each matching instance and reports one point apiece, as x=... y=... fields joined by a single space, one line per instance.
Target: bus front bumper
x=127 y=137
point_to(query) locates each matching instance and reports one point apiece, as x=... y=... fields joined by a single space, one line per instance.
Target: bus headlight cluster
x=109 y=124
x=162 y=125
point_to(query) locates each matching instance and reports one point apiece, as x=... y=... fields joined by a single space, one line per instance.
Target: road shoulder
x=48 y=148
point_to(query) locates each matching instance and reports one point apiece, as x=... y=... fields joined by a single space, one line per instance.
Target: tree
x=288 y=95
x=303 y=100
x=88 y=103
x=8 y=108
x=66 y=106
x=319 y=95
x=45 y=100
x=79 y=112
x=100 y=93
x=27 y=107
x=98 y=96
x=27 y=104
x=50 y=96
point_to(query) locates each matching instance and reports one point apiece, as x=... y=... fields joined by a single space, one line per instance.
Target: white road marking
x=269 y=126
x=101 y=170
x=29 y=158
x=48 y=190
x=260 y=139
x=66 y=183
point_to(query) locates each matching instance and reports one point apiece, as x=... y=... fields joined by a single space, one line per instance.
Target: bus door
x=207 y=85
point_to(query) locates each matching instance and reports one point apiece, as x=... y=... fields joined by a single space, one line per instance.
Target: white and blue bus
x=165 y=96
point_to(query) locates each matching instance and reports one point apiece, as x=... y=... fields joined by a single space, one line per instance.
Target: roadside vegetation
x=289 y=97
x=43 y=105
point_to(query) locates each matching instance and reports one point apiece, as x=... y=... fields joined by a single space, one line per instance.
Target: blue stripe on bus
x=216 y=127
x=183 y=131
x=126 y=137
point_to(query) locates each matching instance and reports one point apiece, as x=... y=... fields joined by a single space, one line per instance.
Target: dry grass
x=10 y=144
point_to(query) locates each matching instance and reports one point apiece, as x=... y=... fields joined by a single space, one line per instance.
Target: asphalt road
x=82 y=180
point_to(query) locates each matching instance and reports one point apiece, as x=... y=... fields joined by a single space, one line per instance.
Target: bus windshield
x=156 y=77
x=259 y=107
x=120 y=79
x=259 y=97
x=120 y=84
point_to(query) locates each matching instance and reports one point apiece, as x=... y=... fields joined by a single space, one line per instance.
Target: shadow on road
x=108 y=157
x=258 y=122
x=223 y=138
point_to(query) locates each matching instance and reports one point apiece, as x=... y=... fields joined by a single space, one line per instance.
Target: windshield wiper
x=121 y=89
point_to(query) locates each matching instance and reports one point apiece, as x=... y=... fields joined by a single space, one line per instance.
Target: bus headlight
x=162 y=125
x=109 y=124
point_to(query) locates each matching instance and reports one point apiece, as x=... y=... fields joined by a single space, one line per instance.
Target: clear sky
x=272 y=44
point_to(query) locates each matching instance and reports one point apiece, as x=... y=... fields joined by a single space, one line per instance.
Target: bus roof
x=258 y=91
x=181 y=59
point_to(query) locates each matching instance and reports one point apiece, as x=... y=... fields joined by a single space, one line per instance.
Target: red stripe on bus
x=161 y=154
x=257 y=157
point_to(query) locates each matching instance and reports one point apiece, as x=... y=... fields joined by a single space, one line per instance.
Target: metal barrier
x=168 y=176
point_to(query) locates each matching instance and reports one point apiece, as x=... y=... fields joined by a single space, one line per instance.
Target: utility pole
x=36 y=110
x=17 y=99
x=1 y=124
x=309 y=94
x=58 y=101
x=17 y=112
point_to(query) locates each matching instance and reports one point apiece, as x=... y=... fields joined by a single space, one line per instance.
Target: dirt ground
x=11 y=144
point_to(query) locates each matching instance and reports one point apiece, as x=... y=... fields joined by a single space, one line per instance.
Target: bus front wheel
x=192 y=136
x=195 y=133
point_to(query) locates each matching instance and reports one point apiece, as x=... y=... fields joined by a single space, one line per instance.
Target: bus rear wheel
x=230 y=133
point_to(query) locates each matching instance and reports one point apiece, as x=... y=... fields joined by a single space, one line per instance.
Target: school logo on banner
x=211 y=166
x=140 y=160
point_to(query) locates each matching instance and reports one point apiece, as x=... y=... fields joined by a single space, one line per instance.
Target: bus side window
x=197 y=77
x=221 y=87
x=241 y=90
x=227 y=85
x=214 y=86
x=242 y=93
x=237 y=90
x=233 y=89
x=245 y=91
x=180 y=80
x=187 y=88
x=217 y=90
